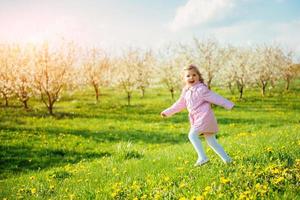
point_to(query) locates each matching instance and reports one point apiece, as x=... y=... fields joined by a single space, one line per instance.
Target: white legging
x=211 y=141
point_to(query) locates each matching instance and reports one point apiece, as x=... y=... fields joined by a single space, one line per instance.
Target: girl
x=196 y=97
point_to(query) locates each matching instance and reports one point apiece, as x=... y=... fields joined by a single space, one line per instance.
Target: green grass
x=108 y=150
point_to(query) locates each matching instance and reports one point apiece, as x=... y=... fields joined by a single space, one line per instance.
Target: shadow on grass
x=142 y=117
x=112 y=135
x=17 y=159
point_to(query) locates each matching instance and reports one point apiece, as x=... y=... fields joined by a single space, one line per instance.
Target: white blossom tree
x=226 y=77
x=170 y=67
x=287 y=69
x=239 y=68
x=6 y=72
x=53 y=72
x=208 y=55
x=144 y=66
x=96 y=69
x=23 y=76
x=267 y=65
x=126 y=68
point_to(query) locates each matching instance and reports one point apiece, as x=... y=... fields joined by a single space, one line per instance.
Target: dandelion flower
x=33 y=191
x=224 y=180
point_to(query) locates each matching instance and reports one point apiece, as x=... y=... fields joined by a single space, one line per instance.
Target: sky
x=118 y=24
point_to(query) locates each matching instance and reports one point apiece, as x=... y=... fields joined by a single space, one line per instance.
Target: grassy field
x=111 y=151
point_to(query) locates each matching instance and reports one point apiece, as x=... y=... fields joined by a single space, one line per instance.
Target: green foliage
x=108 y=150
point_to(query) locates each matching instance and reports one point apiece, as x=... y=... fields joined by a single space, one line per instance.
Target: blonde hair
x=195 y=68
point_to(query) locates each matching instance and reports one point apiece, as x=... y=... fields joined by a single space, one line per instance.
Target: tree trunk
x=6 y=101
x=241 y=90
x=287 y=84
x=96 y=92
x=209 y=83
x=143 y=92
x=172 y=92
x=128 y=98
x=263 y=88
x=50 y=109
x=25 y=104
x=50 y=106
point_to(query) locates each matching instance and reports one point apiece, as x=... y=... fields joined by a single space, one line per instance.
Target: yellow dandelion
x=33 y=191
x=114 y=194
x=166 y=178
x=278 y=180
x=224 y=180
x=263 y=190
x=182 y=185
x=244 y=195
x=275 y=171
x=200 y=197
x=269 y=149
x=182 y=198
x=72 y=196
x=32 y=177
x=21 y=190
x=180 y=168
x=208 y=188
x=117 y=184
x=135 y=186
x=284 y=172
x=157 y=196
x=242 y=134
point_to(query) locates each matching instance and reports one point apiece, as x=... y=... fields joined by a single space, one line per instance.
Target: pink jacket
x=197 y=100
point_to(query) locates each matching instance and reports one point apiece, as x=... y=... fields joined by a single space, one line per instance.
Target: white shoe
x=201 y=162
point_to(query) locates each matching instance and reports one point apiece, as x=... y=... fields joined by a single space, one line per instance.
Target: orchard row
x=46 y=71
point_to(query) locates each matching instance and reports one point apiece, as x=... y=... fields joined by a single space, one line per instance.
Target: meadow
x=108 y=150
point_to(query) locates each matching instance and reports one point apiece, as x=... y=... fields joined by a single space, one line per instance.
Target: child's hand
x=163 y=114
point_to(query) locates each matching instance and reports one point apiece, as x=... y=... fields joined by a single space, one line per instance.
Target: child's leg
x=213 y=143
x=194 y=138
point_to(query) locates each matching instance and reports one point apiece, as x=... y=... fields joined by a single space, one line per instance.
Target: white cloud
x=197 y=12
x=257 y=32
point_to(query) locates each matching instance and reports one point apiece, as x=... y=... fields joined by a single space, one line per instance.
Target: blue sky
x=117 y=24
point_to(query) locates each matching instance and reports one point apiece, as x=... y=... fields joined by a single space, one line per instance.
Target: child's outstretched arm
x=178 y=106
x=214 y=98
